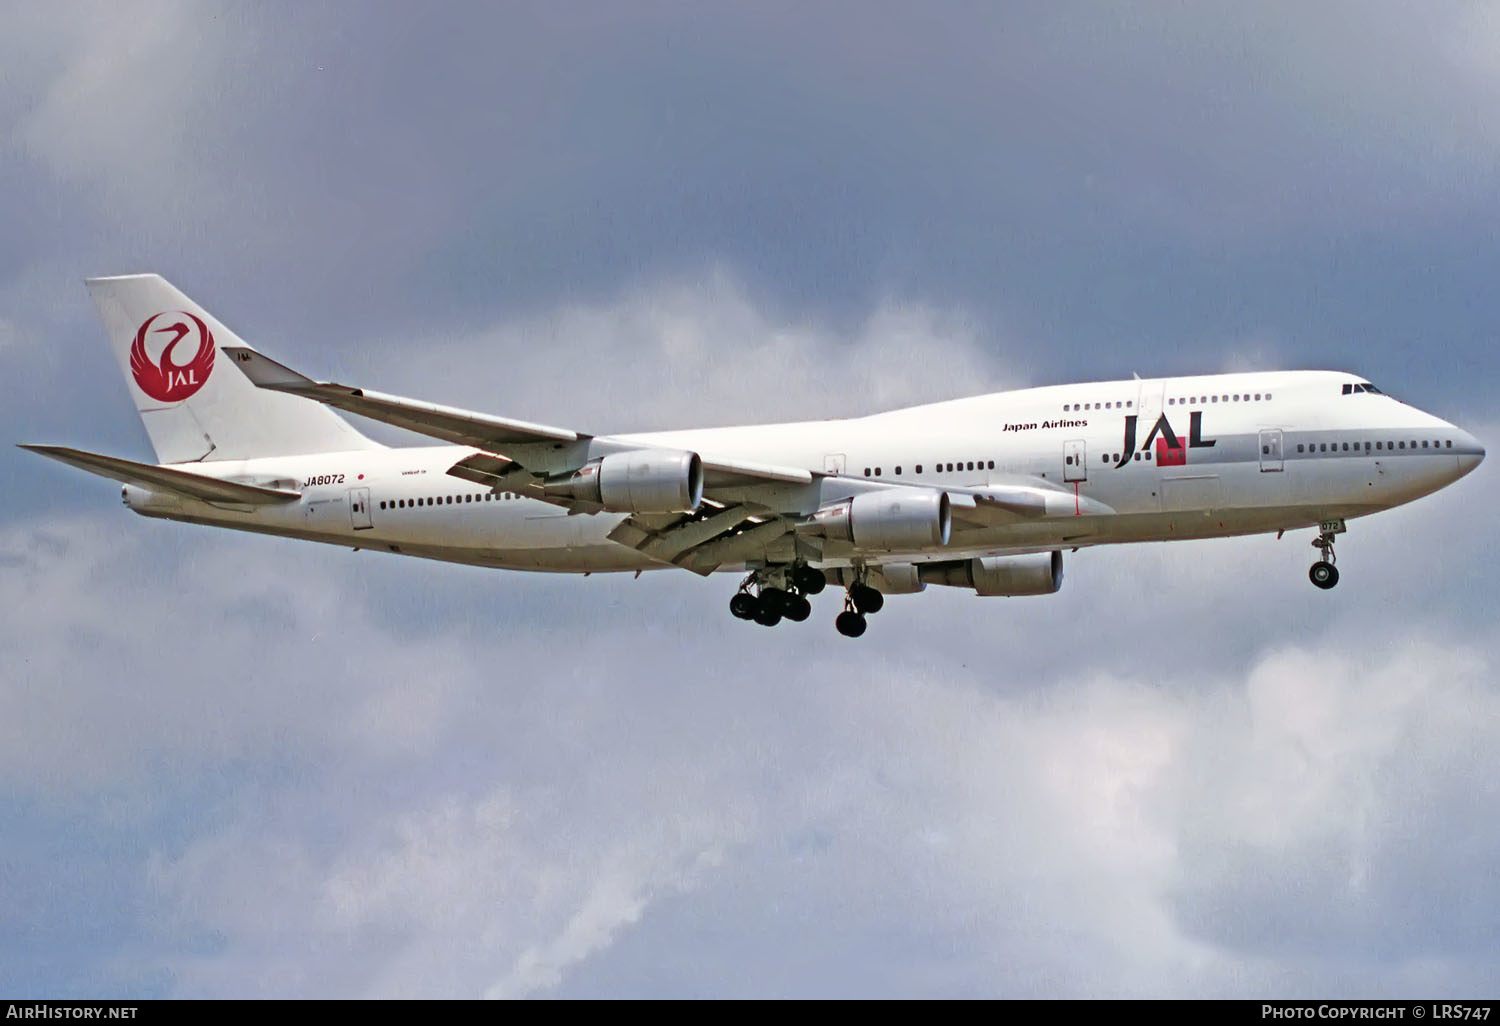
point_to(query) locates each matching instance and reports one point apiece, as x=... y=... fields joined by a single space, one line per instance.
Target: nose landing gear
x=1324 y=574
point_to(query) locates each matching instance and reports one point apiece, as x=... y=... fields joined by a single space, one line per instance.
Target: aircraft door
x=1149 y=405
x=1270 y=450
x=359 y=509
x=1075 y=462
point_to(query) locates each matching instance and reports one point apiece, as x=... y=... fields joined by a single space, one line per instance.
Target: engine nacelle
x=1039 y=574
x=892 y=518
x=643 y=481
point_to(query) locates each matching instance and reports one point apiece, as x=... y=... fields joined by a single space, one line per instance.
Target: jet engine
x=1039 y=574
x=892 y=518
x=643 y=481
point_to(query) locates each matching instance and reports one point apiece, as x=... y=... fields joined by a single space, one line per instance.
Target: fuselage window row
x=448 y=500
x=1314 y=447
x=1197 y=400
x=939 y=468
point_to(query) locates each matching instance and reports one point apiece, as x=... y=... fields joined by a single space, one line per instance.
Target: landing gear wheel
x=850 y=623
x=767 y=617
x=744 y=605
x=1324 y=575
x=809 y=581
x=796 y=608
x=775 y=598
x=866 y=599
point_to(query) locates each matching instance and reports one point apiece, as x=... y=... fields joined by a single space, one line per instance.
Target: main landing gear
x=860 y=601
x=1323 y=573
x=778 y=594
x=772 y=594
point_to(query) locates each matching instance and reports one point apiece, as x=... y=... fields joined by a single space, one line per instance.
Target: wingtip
x=265 y=372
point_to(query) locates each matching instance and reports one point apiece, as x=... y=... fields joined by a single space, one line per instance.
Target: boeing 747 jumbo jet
x=983 y=493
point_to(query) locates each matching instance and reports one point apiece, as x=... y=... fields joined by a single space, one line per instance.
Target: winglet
x=265 y=372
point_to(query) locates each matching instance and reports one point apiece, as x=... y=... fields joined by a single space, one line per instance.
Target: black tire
x=866 y=599
x=809 y=580
x=775 y=598
x=850 y=624
x=797 y=608
x=744 y=605
x=767 y=617
x=1324 y=575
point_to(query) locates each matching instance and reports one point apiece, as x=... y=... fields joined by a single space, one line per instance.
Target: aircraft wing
x=516 y=454
x=449 y=423
x=166 y=479
x=1019 y=500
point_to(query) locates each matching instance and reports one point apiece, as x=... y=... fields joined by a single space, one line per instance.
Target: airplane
x=983 y=493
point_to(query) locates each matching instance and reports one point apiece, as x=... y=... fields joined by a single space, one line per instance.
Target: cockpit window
x=1363 y=386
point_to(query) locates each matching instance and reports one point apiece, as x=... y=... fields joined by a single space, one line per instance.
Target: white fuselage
x=1173 y=458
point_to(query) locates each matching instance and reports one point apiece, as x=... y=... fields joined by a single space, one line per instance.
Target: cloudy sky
x=233 y=765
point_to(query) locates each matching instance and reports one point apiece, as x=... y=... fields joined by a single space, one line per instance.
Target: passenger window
x=1448 y=444
x=1129 y=404
x=1424 y=445
x=877 y=471
x=992 y=464
x=867 y=472
x=1299 y=446
x=971 y=464
x=1268 y=395
x=1346 y=446
x=1068 y=460
x=898 y=471
x=1216 y=398
x=1138 y=457
x=919 y=468
x=1403 y=445
x=1257 y=397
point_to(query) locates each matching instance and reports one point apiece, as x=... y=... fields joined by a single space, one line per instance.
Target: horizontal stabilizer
x=166 y=479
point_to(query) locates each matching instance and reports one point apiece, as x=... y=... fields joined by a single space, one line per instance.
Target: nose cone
x=1471 y=454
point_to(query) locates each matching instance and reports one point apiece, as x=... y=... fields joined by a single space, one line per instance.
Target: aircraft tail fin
x=194 y=405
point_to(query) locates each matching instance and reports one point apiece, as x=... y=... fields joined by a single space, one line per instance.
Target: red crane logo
x=165 y=380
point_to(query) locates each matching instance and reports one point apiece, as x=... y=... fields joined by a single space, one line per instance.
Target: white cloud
x=689 y=352
x=123 y=105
